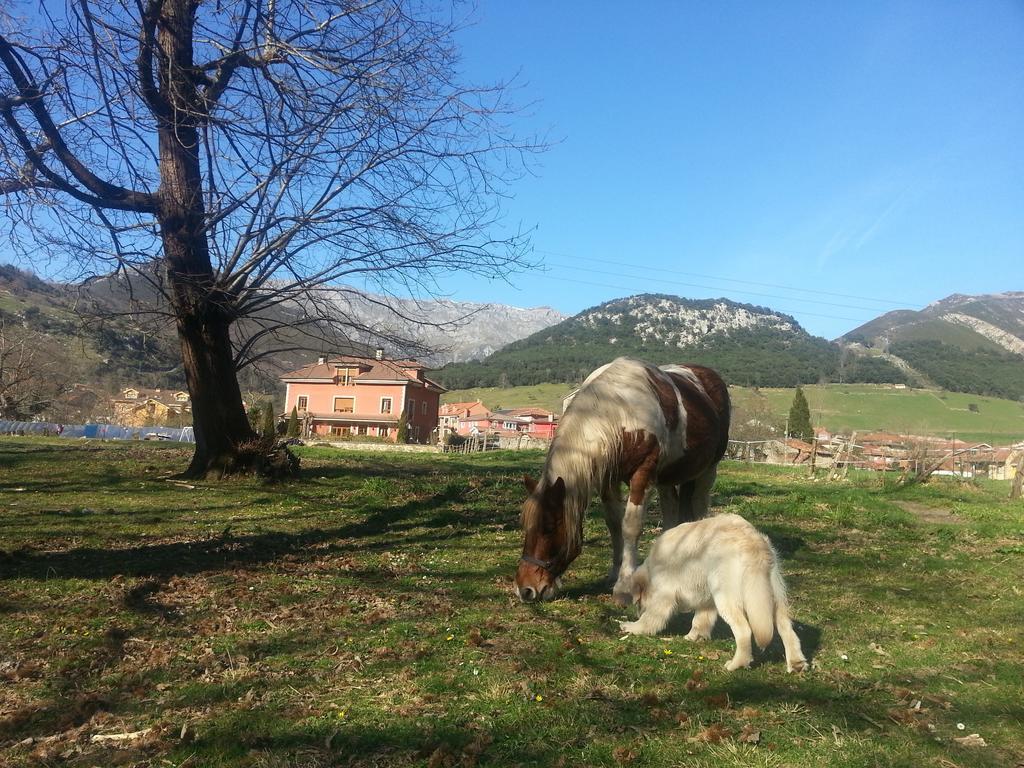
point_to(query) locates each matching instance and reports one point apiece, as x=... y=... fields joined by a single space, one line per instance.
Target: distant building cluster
x=140 y=407
x=475 y=418
x=887 y=451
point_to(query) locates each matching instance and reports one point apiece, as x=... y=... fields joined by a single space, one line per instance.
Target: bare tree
x=238 y=158
x=30 y=378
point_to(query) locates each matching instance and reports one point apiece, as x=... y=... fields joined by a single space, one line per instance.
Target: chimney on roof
x=322 y=360
x=379 y=353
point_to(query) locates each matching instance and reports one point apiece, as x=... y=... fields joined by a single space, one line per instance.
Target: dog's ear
x=530 y=483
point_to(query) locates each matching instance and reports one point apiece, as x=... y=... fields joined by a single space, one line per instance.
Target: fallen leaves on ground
x=749 y=735
x=713 y=734
x=972 y=741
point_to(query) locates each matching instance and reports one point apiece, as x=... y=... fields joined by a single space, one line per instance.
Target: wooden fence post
x=1018 y=479
x=849 y=453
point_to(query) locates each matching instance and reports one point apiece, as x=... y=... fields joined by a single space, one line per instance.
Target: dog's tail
x=764 y=595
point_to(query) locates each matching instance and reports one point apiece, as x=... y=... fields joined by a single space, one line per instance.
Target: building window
x=410 y=407
x=362 y=429
x=302 y=403
x=344 y=404
x=424 y=407
x=338 y=431
x=345 y=375
x=385 y=405
x=385 y=432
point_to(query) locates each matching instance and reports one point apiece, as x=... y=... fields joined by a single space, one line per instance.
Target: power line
x=715 y=288
x=899 y=304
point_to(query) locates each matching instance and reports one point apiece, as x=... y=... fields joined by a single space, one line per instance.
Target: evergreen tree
x=269 y=421
x=403 y=429
x=800 y=417
x=293 y=423
x=255 y=416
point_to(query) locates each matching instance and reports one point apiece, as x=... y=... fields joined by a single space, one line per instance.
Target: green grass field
x=867 y=407
x=363 y=616
x=838 y=407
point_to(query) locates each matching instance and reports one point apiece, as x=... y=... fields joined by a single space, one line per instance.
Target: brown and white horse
x=630 y=423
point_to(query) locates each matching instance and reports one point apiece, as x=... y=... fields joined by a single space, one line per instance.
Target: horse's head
x=546 y=549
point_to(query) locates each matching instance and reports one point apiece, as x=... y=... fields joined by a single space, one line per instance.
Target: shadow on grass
x=229 y=551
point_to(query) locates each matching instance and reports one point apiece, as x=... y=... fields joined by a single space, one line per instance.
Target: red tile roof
x=375 y=370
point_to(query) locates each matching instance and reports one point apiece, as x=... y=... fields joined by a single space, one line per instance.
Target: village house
x=364 y=396
x=536 y=422
x=475 y=419
x=450 y=414
x=141 y=407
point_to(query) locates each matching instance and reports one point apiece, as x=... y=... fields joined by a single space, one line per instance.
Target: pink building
x=536 y=422
x=364 y=396
x=451 y=413
x=474 y=418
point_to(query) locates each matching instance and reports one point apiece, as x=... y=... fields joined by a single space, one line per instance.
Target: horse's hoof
x=622 y=598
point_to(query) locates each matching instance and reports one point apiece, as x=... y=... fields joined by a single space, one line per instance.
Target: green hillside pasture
x=837 y=407
x=547 y=396
x=948 y=333
x=865 y=407
x=363 y=616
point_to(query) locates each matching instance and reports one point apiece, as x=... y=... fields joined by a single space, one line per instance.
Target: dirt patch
x=926 y=514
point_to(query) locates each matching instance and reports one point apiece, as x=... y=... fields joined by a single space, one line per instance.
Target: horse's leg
x=700 y=499
x=668 y=495
x=611 y=497
x=686 y=503
x=632 y=527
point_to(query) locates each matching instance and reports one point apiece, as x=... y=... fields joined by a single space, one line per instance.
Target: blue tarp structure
x=101 y=431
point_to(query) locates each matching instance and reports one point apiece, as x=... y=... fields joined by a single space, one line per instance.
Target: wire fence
x=97 y=431
x=838 y=456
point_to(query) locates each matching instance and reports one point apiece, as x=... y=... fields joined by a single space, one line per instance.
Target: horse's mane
x=588 y=444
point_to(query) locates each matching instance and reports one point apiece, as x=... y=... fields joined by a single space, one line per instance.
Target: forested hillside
x=979 y=371
x=750 y=346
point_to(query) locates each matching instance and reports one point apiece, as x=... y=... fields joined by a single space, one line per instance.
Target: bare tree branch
x=250 y=166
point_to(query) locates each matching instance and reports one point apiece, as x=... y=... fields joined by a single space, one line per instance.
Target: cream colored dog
x=717 y=566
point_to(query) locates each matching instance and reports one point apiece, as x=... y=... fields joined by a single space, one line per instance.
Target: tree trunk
x=204 y=314
x=218 y=417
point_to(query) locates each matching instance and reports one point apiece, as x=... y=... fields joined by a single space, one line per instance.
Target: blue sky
x=794 y=155
x=829 y=160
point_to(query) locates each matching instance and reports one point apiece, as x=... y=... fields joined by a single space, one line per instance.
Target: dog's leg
x=703 y=622
x=611 y=497
x=795 y=661
x=658 y=609
x=732 y=614
x=668 y=497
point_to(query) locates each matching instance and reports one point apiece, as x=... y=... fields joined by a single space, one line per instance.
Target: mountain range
x=101 y=337
x=961 y=343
